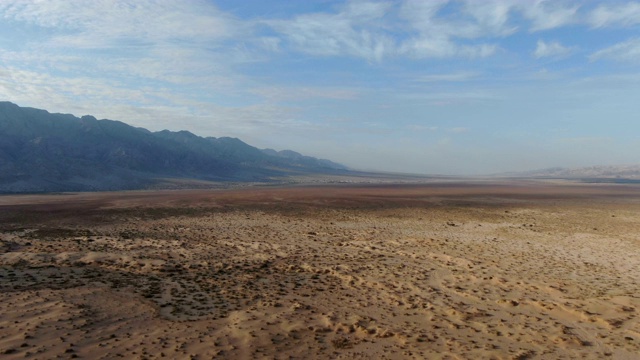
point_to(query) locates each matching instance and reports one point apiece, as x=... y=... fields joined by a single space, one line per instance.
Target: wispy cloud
x=451 y=77
x=492 y=16
x=153 y=40
x=355 y=30
x=436 y=36
x=459 y=130
x=440 y=47
x=369 y=29
x=109 y=58
x=23 y=85
x=625 y=51
x=551 y=49
x=279 y=93
x=615 y=15
x=549 y=14
x=104 y=23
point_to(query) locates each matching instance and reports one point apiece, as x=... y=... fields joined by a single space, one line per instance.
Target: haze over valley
x=44 y=152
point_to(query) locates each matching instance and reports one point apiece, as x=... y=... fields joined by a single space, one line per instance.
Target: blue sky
x=435 y=87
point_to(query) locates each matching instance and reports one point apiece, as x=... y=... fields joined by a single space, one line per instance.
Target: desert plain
x=448 y=270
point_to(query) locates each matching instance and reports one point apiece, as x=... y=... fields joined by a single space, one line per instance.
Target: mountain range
x=600 y=173
x=47 y=152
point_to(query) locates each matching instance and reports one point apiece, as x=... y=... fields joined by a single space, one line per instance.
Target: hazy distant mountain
x=630 y=172
x=40 y=151
x=303 y=161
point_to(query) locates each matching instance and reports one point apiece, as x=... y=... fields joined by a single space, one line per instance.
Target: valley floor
x=518 y=270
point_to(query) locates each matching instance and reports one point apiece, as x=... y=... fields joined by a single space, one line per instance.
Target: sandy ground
x=444 y=271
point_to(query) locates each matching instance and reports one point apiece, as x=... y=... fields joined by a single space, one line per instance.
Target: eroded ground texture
x=452 y=271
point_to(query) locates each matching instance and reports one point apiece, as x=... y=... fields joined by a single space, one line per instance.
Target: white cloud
x=435 y=36
x=440 y=34
x=376 y=30
x=551 y=49
x=149 y=107
x=45 y=90
x=626 y=51
x=440 y=47
x=106 y=23
x=617 y=15
x=472 y=21
x=548 y=14
x=370 y=30
x=107 y=57
x=492 y=16
x=356 y=30
x=157 y=40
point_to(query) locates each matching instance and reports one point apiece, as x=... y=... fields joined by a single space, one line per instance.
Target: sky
x=417 y=86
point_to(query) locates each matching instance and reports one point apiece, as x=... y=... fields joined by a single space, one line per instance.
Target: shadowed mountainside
x=40 y=151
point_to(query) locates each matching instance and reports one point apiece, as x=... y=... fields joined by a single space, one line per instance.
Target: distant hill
x=43 y=152
x=603 y=172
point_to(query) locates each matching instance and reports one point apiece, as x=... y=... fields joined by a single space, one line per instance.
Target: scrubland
x=517 y=270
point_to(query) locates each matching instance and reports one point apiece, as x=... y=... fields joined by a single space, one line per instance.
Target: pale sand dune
x=443 y=272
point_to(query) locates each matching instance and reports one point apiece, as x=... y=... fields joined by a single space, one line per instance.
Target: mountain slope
x=299 y=160
x=40 y=151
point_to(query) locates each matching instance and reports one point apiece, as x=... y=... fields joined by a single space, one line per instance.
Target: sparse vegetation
x=328 y=278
